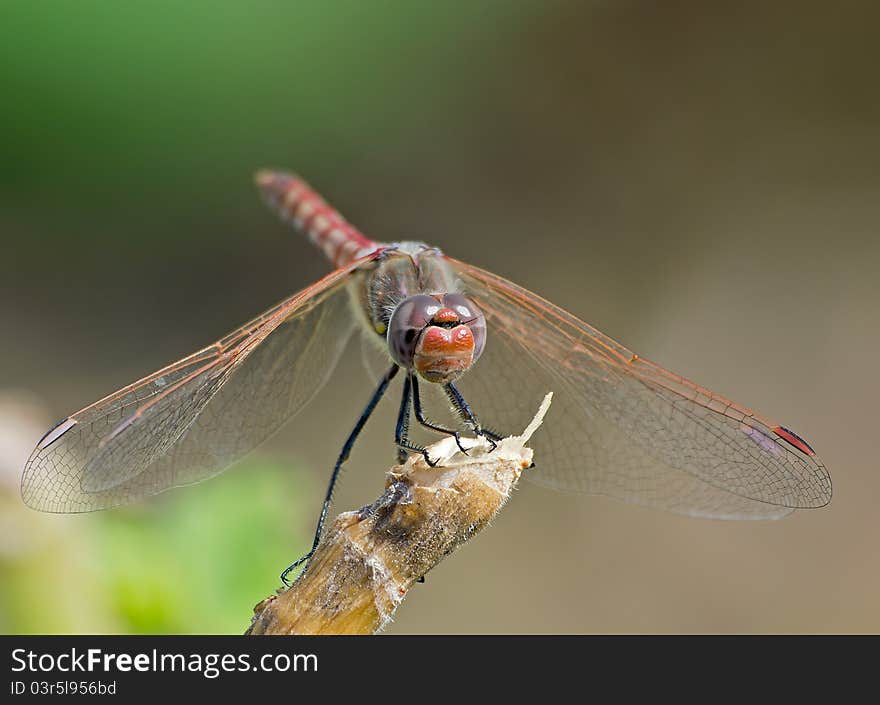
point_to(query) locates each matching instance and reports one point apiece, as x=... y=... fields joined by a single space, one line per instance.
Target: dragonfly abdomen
x=300 y=206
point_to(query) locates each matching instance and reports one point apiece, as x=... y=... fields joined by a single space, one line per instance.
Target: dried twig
x=370 y=558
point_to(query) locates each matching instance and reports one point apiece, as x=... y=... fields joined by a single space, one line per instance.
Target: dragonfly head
x=440 y=336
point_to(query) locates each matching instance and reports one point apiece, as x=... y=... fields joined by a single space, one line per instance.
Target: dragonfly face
x=440 y=336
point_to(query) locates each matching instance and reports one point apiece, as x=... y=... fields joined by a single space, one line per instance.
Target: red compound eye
x=439 y=337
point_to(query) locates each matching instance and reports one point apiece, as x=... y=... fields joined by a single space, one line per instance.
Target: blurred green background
x=700 y=183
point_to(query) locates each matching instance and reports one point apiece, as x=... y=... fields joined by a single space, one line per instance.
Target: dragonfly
x=488 y=349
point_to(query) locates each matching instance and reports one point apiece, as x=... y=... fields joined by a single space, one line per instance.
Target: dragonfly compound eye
x=439 y=337
x=471 y=316
x=405 y=328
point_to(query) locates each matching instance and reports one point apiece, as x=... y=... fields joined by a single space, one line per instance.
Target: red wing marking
x=792 y=438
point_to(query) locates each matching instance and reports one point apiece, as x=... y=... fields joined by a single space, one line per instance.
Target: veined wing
x=193 y=418
x=622 y=426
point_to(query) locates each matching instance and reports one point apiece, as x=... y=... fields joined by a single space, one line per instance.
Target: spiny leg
x=420 y=416
x=466 y=415
x=402 y=428
x=401 y=434
x=343 y=456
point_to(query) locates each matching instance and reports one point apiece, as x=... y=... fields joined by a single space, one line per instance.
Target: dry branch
x=369 y=559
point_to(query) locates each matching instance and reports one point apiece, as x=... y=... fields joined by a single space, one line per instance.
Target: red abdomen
x=301 y=206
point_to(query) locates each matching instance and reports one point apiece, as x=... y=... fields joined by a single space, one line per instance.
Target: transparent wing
x=193 y=418
x=622 y=426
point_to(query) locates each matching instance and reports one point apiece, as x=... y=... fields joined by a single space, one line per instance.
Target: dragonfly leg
x=401 y=433
x=343 y=456
x=464 y=411
x=420 y=416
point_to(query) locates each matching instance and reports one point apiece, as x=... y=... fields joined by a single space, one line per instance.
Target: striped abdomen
x=298 y=204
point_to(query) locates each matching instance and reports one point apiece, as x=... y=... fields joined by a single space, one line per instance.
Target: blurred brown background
x=699 y=183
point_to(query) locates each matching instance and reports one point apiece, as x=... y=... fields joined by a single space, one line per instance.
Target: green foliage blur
x=194 y=561
x=141 y=100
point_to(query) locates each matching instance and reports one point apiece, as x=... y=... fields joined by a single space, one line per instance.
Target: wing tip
x=29 y=495
x=54 y=433
x=826 y=488
x=822 y=484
